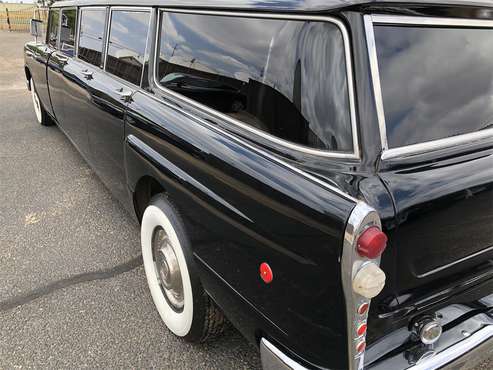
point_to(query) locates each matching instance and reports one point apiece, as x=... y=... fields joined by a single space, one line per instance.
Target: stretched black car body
x=247 y=197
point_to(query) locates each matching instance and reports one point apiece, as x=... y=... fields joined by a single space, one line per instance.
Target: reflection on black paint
x=91 y=35
x=127 y=44
x=287 y=78
x=436 y=82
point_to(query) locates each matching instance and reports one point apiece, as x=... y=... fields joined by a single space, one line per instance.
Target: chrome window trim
x=146 y=51
x=324 y=184
x=59 y=36
x=59 y=28
x=136 y=9
x=128 y=84
x=265 y=153
x=106 y=38
x=76 y=43
x=355 y=154
x=76 y=51
x=456 y=262
x=427 y=146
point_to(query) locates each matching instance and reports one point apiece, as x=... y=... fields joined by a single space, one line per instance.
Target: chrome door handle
x=124 y=94
x=62 y=58
x=87 y=73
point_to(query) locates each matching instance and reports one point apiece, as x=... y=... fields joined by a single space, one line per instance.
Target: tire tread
x=214 y=322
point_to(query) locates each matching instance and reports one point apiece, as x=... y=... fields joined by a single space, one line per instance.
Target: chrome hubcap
x=167 y=268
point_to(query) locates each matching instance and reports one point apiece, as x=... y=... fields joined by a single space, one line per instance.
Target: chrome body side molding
x=274 y=359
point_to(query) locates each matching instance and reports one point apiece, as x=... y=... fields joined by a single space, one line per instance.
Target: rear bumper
x=464 y=355
x=467 y=355
x=462 y=346
x=467 y=339
x=474 y=357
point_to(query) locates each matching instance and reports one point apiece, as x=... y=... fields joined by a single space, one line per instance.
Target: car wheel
x=41 y=116
x=178 y=295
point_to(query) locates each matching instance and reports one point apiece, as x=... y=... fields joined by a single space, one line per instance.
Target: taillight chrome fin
x=362 y=279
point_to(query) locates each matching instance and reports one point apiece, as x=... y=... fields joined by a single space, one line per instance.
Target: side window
x=127 y=44
x=90 y=48
x=53 y=21
x=286 y=78
x=438 y=104
x=68 y=31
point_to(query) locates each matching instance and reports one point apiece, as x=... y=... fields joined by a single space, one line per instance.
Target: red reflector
x=361 y=346
x=361 y=330
x=363 y=308
x=266 y=273
x=372 y=243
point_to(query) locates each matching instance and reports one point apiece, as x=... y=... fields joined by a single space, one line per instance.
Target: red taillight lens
x=360 y=347
x=361 y=330
x=363 y=308
x=371 y=243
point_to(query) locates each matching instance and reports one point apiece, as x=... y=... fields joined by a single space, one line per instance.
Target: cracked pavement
x=73 y=292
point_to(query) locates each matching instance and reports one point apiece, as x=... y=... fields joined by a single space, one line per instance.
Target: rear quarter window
x=287 y=78
x=436 y=82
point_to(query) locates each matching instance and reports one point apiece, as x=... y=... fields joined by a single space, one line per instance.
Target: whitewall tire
x=41 y=116
x=176 y=290
x=36 y=102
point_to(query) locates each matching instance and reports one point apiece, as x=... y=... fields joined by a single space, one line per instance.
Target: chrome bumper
x=466 y=339
x=469 y=347
x=461 y=347
x=274 y=359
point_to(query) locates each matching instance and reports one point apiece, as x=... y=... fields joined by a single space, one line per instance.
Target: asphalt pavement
x=73 y=292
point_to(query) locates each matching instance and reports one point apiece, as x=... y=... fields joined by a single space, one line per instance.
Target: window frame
x=427 y=146
x=109 y=17
x=56 y=47
x=76 y=36
x=80 y=9
x=354 y=154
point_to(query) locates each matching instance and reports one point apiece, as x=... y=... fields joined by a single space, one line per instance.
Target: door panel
x=39 y=55
x=43 y=55
x=77 y=105
x=56 y=83
x=104 y=120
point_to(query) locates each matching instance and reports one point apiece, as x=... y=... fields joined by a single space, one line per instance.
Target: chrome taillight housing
x=362 y=278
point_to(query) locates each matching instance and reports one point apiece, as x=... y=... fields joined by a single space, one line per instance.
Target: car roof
x=272 y=5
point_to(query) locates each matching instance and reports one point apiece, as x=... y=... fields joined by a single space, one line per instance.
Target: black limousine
x=319 y=172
